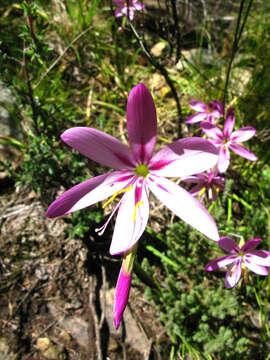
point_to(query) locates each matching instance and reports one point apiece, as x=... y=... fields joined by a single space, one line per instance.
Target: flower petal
x=88 y=193
x=259 y=257
x=257 y=269
x=212 y=194
x=184 y=157
x=211 y=130
x=243 y=134
x=229 y=122
x=119 y=3
x=228 y=245
x=121 y=296
x=196 y=189
x=141 y=123
x=244 y=152
x=198 y=106
x=196 y=118
x=129 y=12
x=183 y=205
x=138 y=6
x=216 y=107
x=233 y=275
x=100 y=147
x=118 y=12
x=223 y=159
x=131 y=219
x=250 y=245
x=193 y=179
x=220 y=262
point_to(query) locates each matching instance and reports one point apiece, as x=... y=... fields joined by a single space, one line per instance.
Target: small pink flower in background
x=208 y=182
x=229 y=140
x=138 y=172
x=127 y=8
x=256 y=261
x=208 y=113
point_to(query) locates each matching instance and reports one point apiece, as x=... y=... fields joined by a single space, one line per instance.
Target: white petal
x=131 y=219
x=183 y=205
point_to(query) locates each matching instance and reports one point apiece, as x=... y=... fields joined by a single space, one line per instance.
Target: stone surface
x=8 y=126
x=158 y=49
x=5 y=353
x=135 y=337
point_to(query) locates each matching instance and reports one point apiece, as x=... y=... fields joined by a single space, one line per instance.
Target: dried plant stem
x=60 y=57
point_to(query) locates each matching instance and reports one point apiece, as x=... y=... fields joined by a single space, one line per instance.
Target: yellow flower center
x=241 y=254
x=142 y=170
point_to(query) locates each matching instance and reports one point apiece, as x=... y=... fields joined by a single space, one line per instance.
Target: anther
x=136 y=207
x=116 y=194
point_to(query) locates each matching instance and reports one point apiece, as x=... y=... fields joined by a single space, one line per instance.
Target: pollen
x=142 y=170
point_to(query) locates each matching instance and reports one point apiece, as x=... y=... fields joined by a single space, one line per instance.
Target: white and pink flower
x=127 y=8
x=256 y=261
x=138 y=172
x=229 y=140
x=206 y=183
x=205 y=112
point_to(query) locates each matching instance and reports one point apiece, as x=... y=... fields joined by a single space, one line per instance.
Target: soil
x=56 y=297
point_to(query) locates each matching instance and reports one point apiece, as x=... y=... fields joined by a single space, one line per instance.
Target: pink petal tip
x=121 y=296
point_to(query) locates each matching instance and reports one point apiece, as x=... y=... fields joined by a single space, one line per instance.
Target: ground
x=56 y=301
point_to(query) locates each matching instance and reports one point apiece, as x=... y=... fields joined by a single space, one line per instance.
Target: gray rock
x=8 y=126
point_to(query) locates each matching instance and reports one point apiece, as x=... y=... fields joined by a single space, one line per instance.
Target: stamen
x=233 y=269
x=136 y=207
x=202 y=191
x=101 y=230
x=116 y=194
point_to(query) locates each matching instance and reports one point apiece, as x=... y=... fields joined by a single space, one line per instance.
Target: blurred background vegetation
x=67 y=63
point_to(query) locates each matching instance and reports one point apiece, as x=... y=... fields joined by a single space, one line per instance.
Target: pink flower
x=208 y=113
x=229 y=140
x=206 y=183
x=123 y=285
x=121 y=295
x=138 y=171
x=256 y=261
x=127 y=8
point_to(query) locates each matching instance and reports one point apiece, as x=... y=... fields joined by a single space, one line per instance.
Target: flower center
x=241 y=254
x=142 y=170
x=225 y=144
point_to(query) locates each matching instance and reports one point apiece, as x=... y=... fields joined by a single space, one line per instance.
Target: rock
x=48 y=349
x=135 y=337
x=76 y=326
x=157 y=81
x=158 y=49
x=43 y=344
x=8 y=126
x=5 y=353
